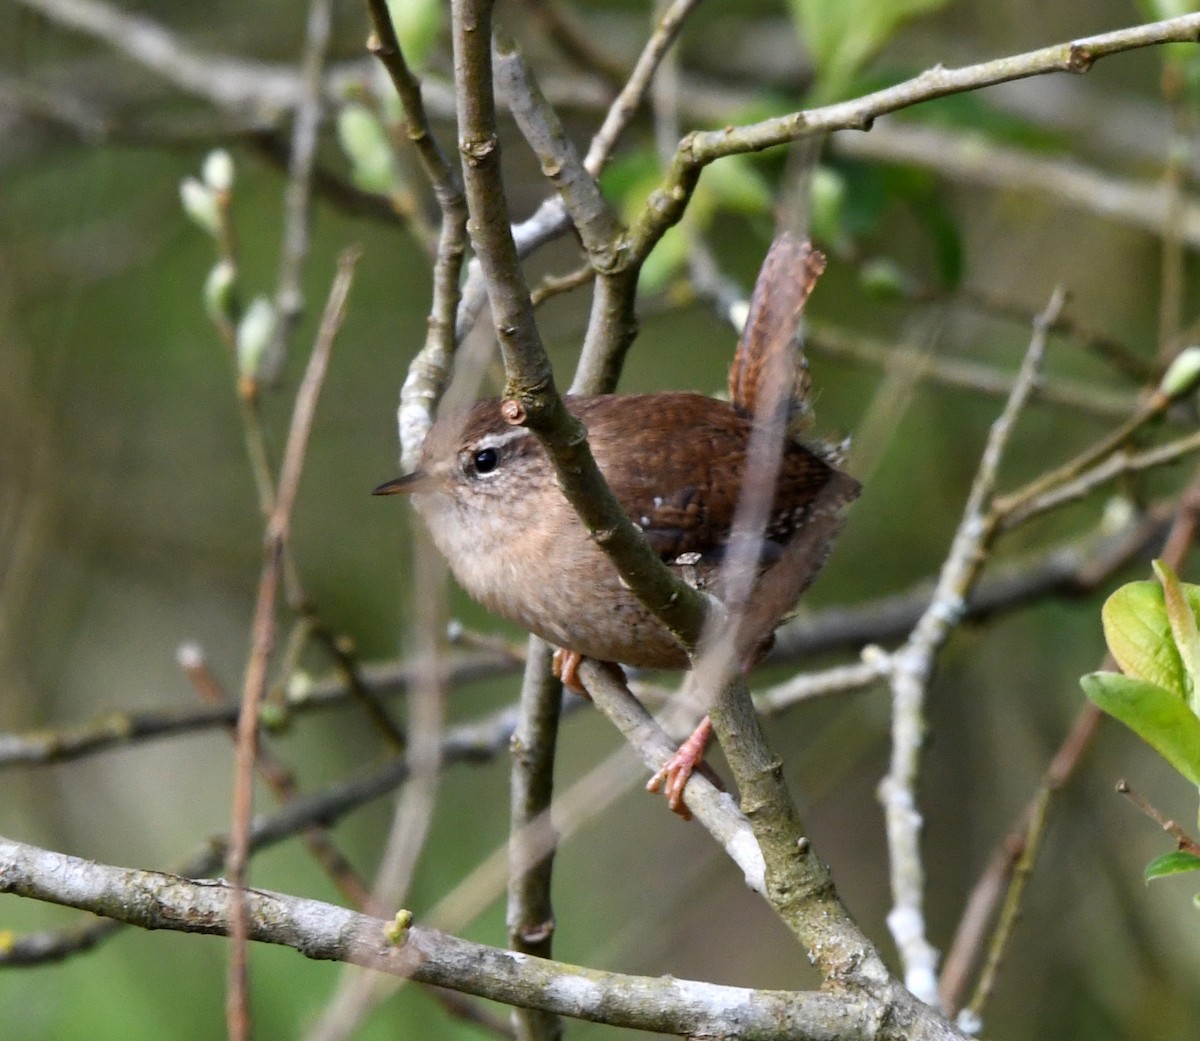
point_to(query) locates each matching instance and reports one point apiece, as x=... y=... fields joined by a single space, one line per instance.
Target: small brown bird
x=676 y=462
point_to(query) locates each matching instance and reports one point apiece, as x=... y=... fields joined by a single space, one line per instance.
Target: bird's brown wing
x=685 y=493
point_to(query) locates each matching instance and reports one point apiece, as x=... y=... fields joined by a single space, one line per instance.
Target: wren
x=677 y=463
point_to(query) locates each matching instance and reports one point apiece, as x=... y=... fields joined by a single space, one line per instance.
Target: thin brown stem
x=263 y=638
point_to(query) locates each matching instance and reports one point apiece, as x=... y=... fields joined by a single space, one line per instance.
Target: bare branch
x=155 y=900
x=911 y=668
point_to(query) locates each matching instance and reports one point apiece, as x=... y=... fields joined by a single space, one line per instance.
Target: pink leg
x=674 y=774
x=565 y=666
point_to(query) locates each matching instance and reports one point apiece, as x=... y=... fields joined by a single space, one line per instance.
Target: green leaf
x=1159 y=717
x=1172 y=864
x=883 y=279
x=366 y=144
x=735 y=184
x=827 y=201
x=841 y=35
x=1182 y=620
x=1138 y=633
x=666 y=260
x=1156 y=10
x=418 y=24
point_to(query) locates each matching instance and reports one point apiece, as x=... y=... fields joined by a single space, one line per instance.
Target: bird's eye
x=486 y=460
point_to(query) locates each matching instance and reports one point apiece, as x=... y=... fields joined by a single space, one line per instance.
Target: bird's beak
x=417 y=481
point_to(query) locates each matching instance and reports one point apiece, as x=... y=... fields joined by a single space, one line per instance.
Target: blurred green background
x=129 y=525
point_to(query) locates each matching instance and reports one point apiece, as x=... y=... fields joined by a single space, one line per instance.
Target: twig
x=576 y=43
x=358 y=690
x=1183 y=840
x=592 y=217
x=552 y=285
x=1019 y=873
x=824 y=338
x=1170 y=303
x=875 y=666
x=971 y=934
x=358 y=993
x=263 y=635
x=612 y=325
x=623 y=109
x=1020 y=506
x=714 y=809
x=530 y=913
x=289 y=294
x=256 y=89
x=911 y=668
x=429 y=371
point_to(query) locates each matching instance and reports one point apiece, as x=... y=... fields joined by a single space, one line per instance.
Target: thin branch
x=289 y=294
x=256 y=89
x=612 y=325
x=430 y=369
x=714 y=809
x=531 y=846
x=633 y=94
x=1021 y=506
x=911 y=668
x=986 y=894
x=358 y=994
x=598 y=227
x=1183 y=841
x=263 y=632
x=577 y=42
x=825 y=338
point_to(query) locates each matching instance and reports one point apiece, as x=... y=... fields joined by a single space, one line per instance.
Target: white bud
x=1182 y=374
x=200 y=204
x=218 y=291
x=1119 y=513
x=254 y=335
x=218 y=170
x=189 y=655
x=299 y=687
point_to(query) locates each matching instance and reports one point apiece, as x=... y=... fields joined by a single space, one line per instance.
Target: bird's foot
x=673 y=775
x=565 y=666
